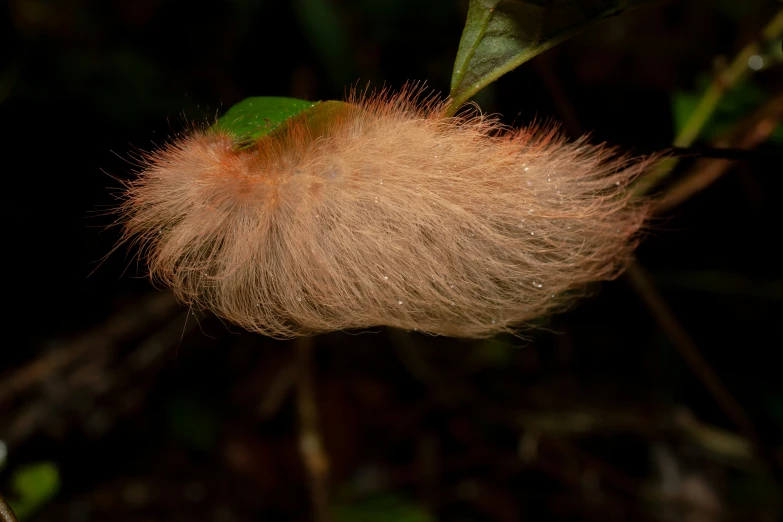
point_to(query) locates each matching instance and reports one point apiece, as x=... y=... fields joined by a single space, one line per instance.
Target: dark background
x=147 y=416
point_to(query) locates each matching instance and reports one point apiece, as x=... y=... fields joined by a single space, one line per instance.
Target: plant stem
x=751 y=132
x=310 y=444
x=660 y=310
x=6 y=513
x=722 y=82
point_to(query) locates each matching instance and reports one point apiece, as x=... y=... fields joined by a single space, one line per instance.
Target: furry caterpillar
x=387 y=214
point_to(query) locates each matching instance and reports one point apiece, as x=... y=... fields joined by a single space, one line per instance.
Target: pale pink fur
x=389 y=214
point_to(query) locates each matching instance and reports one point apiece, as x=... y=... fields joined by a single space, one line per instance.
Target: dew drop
x=385 y=278
x=399 y=302
x=526 y=169
x=532 y=233
x=493 y=321
x=538 y=285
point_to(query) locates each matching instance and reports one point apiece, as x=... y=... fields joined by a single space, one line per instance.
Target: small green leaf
x=260 y=116
x=255 y=117
x=34 y=485
x=500 y=35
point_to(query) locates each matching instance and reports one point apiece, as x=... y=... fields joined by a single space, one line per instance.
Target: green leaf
x=255 y=117
x=260 y=116
x=500 y=35
x=34 y=485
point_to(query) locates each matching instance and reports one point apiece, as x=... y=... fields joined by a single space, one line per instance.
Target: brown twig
x=310 y=442
x=663 y=314
x=721 y=83
x=6 y=513
x=751 y=133
x=127 y=322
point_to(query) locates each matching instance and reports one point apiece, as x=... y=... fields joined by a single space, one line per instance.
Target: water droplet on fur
x=385 y=278
x=548 y=178
x=529 y=183
x=553 y=295
x=530 y=211
x=381 y=182
x=399 y=302
x=451 y=285
x=532 y=233
x=376 y=199
x=493 y=321
x=452 y=303
x=526 y=169
x=299 y=299
x=538 y=285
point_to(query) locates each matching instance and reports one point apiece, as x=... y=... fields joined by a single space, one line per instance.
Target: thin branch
x=6 y=513
x=679 y=337
x=751 y=133
x=310 y=442
x=721 y=83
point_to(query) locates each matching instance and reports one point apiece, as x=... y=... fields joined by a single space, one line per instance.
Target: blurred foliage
x=735 y=104
x=33 y=485
x=382 y=508
x=192 y=422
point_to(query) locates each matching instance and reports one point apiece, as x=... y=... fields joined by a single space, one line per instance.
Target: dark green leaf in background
x=34 y=484
x=734 y=105
x=500 y=35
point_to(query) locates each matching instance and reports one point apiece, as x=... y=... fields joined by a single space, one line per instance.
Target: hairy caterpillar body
x=386 y=213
